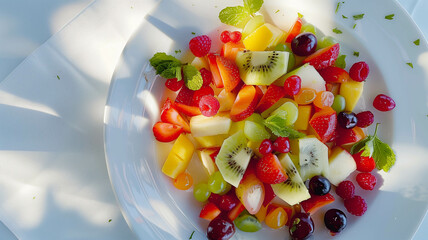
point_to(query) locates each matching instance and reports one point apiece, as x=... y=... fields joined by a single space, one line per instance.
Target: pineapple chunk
x=303 y=117
x=202 y=126
x=211 y=141
x=351 y=91
x=179 y=157
x=265 y=36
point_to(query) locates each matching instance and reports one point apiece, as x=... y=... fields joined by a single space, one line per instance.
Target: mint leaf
x=341 y=61
x=353 y=27
x=166 y=66
x=410 y=64
x=337 y=31
x=191 y=235
x=338 y=6
x=417 y=42
x=358 y=17
x=253 y=6
x=277 y=124
x=356 y=54
x=192 y=77
x=390 y=16
x=299 y=15
x=345 y=17
x=235 y=16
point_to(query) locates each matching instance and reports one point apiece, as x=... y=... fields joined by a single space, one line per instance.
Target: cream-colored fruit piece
x=302 y=121
x=310 y=148
x=276 y=105
x=200 y=62
x=207 y=161
x=236 y=127
x=351 y=90
x=179 y=157
x=252 y=25
x=309 y=76
x=202 y=126
x=292 y=112
x=341 y=164
x=278 y=35
x=211 y=141
x=226 y=100
x=258 y=40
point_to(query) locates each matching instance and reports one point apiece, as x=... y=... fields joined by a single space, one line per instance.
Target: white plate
x=156 y=210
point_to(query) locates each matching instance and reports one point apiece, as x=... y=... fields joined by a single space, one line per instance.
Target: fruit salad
x=271 y=118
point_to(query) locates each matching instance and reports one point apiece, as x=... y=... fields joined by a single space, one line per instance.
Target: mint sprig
x=238 y=16
x=381 y=152
x=192 y=77
x=277 y=124
x=166 y=66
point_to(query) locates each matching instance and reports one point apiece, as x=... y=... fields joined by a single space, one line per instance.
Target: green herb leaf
x=357 y=54
x=345 y=17
x=253 y=6
x=353 y=27
x=177 y=51
x=299 y=15
x=417 y=42
x=192 y=77
x=341 y=61
x=191 y=235
x=390 y=16
x=381 y=152
x=109 y=220
x=235 y=16
x=166 y=66
x=358 y=16
x=277 y=11
x=58 y=77
x=410 y=64
x=277 y=124
x=338 y=6
x=337 y=31
x=193 y=33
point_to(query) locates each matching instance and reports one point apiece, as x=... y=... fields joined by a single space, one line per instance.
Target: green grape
x=255 y=132
x=338 y=103
x=201 y=192
x=255 y=117
x=292 y=112
x=307 y=27
x=340 y=62
x=326 y=41
x=247 y=223
x=291 y=57
x=216 y=183
x=226 y=190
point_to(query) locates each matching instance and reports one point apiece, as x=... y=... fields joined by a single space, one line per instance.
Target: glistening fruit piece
x=229 y=73
x=335 y=220
x=209 y=211
x=309 y=76
x=351 y=91
x=292 y=112
x=209 y=105
x=206 y=160
x=316 y=202
x=302 y=226
x=323 y=124
x=272 y=95
x=166 y=132
x=179 y=157
x=304 y=44
x=251 y=191
x=201 y=126
x=359 y=71
x=313 y=157
x=348 y=136
x=294 y=30
x=334 y=74
x=364 y=163
x=367 y=181
x=383 y=103
x=255 y=132
x=252 y=25
x=269 y=170
x=220 y=227
x=276 y=218
x=183 y=181
x=324 y=57
x=247 y=223
x=212 y=60
x=200 y=45
x=233 y=158
x=170 y=115
x=230 y=50
x=293 y=190
x=265 y=36
x=187 y=110
x=341 y=164
x=261 y=68
x=245 y=103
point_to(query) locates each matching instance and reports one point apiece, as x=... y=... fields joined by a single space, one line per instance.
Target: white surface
x=64 y=168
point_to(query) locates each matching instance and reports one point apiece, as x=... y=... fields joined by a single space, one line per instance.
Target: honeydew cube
x=236 y=127
x=341 y=164
x=276 y=105
x=351 y=90
x=309 y=76
x=179 y=157
x=202 y=126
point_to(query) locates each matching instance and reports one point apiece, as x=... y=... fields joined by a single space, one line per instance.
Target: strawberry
x=198 y=94
x=184 y=96
x=272 y=95
x=174 y=85
x=234 y=213
x=324 y=57
x=187 y=110
x=364 y=164
x=200 y=45
x=294 y=30
x=212 y=60
x=269 y=194
x=334 y=74
x=324 y=123
x=348 y=136
x=229 y=73
x=166 y=132
x=170 y=115
x=207 y=77
x=209 y=211
x=269 y=170
x=314 y=203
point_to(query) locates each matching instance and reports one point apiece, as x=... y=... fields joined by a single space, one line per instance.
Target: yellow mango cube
x=211 y=141
x=179 y=157
x=259 y=40
x=351 y=91
x=303 y=117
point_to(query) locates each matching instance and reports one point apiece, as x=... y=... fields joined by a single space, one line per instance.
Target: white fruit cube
x=341 y=164
x=201 y=126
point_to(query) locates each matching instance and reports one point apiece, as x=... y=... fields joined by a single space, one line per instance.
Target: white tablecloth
x=53 y=177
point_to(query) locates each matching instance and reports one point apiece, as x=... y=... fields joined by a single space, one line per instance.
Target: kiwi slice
x=233 y=158
x=247 y=223
x=293 y=190
x=261 y=67
x=313 y=157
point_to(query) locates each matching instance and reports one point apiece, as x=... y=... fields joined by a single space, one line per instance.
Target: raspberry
x=359 y=71
x=200 y=93
x=209 y=105
x=174 y=85
x=200 y=45
x=367 y=181
x=345 y=189
x=225 y=36
x=365 y=119
x=235 y=36
x=281 y=144
x=356 y=205
x=265 y=147
x=207 y=77
x=364 y=164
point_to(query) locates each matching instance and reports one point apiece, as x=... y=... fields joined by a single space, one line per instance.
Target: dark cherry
x=304 y=44
x=302 y=226
x=319 y=185
x=335 y=220
x=220 y=228
x=347 y=120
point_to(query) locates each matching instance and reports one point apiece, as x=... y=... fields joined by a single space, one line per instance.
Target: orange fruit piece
x=305 y=96
x=324 y=99
x=183 y=181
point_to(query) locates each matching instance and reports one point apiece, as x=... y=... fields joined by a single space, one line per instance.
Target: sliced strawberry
x=200 y=93
x=348 y=136
x=187 y=110
x=209 y=211
x=229 y=73
x=185 y=96
x=269 y=170
x=245 y=103
x=324 y=57
x=166 y=132
x=251 y=192
x=272 y=95
x=212 y=60
x=170 y=115
x=269 y=194
x=231 y=49
x=234 y=213
x=214 y=154
x=314 y=203
x=294 y=30
x=334 y=74
x=324 y=124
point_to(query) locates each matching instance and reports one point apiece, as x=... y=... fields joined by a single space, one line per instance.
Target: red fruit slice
x=229 y=73
x=272 y=95
x=185 y=96
x=324 y=57
x=209 y=211
x=173 y=84
x=230 y=50
x=215 y=153
x=251 y=192
x=212 y=60
x=294 y=30
x=348 y=136
x=187 y=110
x=245 y=103
x=171 y=115
x=269 y=170
x=334 y=74
x=324 y=124
x=364 y=164
x=314 y=203
x=198 y=94
x=234 y=213
x=166 y=132
x=209 y=106
x=269 y=194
